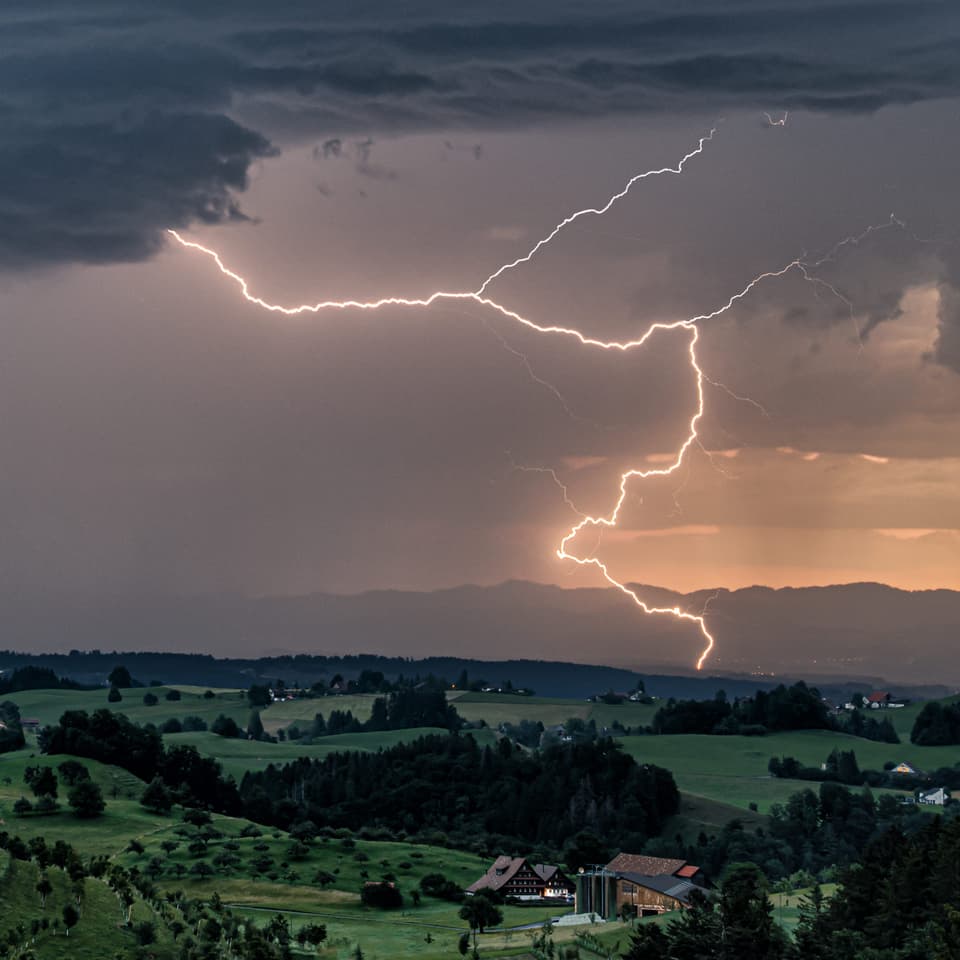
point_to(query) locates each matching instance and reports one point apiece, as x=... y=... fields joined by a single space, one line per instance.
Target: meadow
x=99 y=928
x=260 y=872
x=238 y=756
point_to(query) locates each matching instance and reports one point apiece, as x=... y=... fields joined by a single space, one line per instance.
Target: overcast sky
x=161 y=436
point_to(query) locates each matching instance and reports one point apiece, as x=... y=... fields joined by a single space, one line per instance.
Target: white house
x=938 y=796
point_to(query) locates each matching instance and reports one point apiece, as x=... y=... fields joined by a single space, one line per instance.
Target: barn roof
x=648 y=866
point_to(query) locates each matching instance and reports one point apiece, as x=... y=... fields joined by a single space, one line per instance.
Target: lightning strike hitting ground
x=689 y=327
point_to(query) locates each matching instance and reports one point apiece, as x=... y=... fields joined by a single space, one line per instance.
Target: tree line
x=898 y=901
x=113 y=739
x=797 y=707
x=488 y=798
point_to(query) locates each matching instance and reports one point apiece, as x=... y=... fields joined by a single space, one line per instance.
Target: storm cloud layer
x=123 y=119
x=164 y=438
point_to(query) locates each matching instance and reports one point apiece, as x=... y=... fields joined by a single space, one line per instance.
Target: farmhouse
x=883 y=700
x=516 y=877
x=906 y=769
x=938 y=796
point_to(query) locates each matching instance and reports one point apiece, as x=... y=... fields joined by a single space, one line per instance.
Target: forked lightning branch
x=688 y=327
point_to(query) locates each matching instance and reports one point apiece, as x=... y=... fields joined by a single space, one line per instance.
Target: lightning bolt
x=688 y=327
x=782 y=122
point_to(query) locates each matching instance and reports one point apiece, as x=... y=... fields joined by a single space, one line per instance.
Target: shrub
x=225 y=726
x=382 y=896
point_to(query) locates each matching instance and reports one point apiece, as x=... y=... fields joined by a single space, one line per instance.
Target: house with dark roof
x=517 y=877
x=636 y=884
x=938 y=796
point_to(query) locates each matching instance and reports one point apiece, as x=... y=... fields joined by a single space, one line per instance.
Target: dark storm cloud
x=129 y=118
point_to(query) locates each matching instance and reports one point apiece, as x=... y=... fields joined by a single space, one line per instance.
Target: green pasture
x=238 y=756
x=497 y=708
x=733 y=770
x=47 y=706
x=99 y=931
x=108 y=834
x=903 y=718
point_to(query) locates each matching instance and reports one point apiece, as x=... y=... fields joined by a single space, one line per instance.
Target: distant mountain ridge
x=861 y=629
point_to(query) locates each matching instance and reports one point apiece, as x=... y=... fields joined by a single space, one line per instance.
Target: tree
x=480 y=912
x=225 y=726
x=11 y=730
x=584 y=850
x=157 y=796
x=46 y=804
x=208 y=695
x=150 y=699
x=649 y=942
x=119 y=676
x=312 y=933
x=746 y=915
x=41 y=780
x=44 y=888
x=259 y=695
x=70 y=917
x=255 y=726
x=22 y=806
x=173 y=695
x=812 y=935
x=72 y=772
x=114 y=696
x=86 y=798
x=696 y=932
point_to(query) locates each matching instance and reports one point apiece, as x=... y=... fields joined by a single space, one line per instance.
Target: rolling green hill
x=99 y=933
x=734 y=769
x=48 y=705
x=123 y=818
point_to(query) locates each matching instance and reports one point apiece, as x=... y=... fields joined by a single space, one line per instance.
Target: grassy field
x=48 y=705
x=98 y=933
x=904 y=718
x=262 y=877
x=239 y=756
x=733 y=770
x=123 y=818
x=261 y=874
x=497 y=708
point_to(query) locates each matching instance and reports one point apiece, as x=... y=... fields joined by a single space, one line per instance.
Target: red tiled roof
x=649 y=866
x=688 y=871
x=878 y=696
